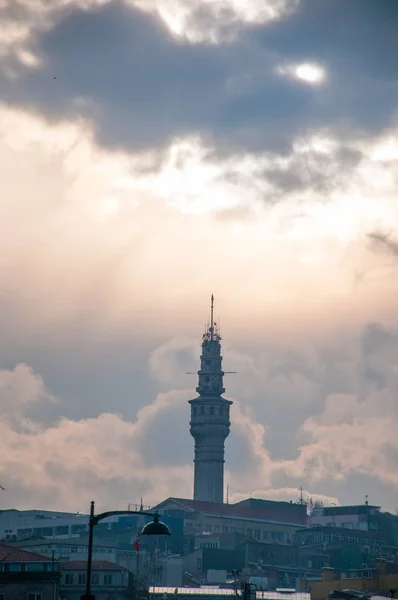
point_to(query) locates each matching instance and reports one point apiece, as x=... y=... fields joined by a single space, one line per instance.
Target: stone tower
x=210 y=422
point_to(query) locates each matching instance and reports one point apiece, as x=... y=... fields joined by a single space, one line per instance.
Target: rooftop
x=72 y=541
x=355 y=509
x=250 y=509
x=359 y=533
x=81 y=565
x=13 y=554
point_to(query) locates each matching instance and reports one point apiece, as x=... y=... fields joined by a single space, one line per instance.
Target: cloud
x=151 y=456
x=106 y=277
x=21 y=392
x=167 y=169
x=71 y=461
x=215 y=20
x=165 y=87
x=354 y=431
x=104 y=453
x=351 y=392
x=21 y=22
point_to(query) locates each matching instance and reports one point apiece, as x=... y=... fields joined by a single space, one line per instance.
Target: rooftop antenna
x=366 y=500
x=301 y=495
x=212 y=318
x=209 y=335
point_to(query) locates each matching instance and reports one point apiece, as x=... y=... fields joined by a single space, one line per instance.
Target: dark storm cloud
x=358 y=44
x=142 y=87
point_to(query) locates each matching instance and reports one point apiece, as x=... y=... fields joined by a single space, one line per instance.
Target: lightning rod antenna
x=212 y=318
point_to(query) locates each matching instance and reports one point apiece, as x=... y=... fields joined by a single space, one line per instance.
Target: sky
x=153 y=152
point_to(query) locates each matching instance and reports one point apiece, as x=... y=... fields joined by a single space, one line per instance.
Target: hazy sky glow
x=151 y=154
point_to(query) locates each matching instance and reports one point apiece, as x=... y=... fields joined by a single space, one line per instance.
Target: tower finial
x=212 y=318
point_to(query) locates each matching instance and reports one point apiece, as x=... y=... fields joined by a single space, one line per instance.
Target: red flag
x=137 y=544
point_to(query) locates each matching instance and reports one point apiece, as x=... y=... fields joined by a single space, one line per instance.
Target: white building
x=19 y=524
x=43 y=523
x=362 y=516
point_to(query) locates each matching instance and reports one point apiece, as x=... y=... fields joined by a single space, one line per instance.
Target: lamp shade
x=155 y=527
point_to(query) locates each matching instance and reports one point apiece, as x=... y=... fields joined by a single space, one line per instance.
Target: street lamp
x=154 y=527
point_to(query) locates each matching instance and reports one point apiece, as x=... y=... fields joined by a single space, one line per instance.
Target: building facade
x=362 y=517
x=382 y=580
x=261 y=520
x=210 y=422
x=27 y=576
x=16 y=524
x=107 y=581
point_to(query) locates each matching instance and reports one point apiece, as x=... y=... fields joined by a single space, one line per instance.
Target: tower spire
x=212 y=318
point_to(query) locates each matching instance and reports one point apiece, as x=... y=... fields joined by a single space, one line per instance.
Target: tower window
x=194 y=410
x=212 y=410
x=220 y=410
x=202 y=410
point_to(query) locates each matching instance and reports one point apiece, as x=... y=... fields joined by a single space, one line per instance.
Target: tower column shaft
x=209 y=480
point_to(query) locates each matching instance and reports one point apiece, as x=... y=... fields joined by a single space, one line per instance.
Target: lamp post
x=154 y=527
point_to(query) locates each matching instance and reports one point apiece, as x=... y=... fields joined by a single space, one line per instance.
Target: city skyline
x=154 y=153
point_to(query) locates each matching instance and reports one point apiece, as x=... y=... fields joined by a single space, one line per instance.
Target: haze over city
x=155 y=152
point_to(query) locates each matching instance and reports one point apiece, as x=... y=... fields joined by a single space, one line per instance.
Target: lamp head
x=155 y=527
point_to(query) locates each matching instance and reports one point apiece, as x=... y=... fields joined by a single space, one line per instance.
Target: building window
x=68 y=579
x=23 y=532
x=107 y=579
x=36 y=596
x=202 y=410
x=225 y=529
x=81 y=579
x=95 y=579
x=220 y=410
x=250 y=532
x=257 y=534
x=212 y=410
x=62 y=530
x=194 y=411
x=44 y=531
x=80 y=528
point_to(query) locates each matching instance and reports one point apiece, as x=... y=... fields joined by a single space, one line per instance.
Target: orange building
x=380 y=580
